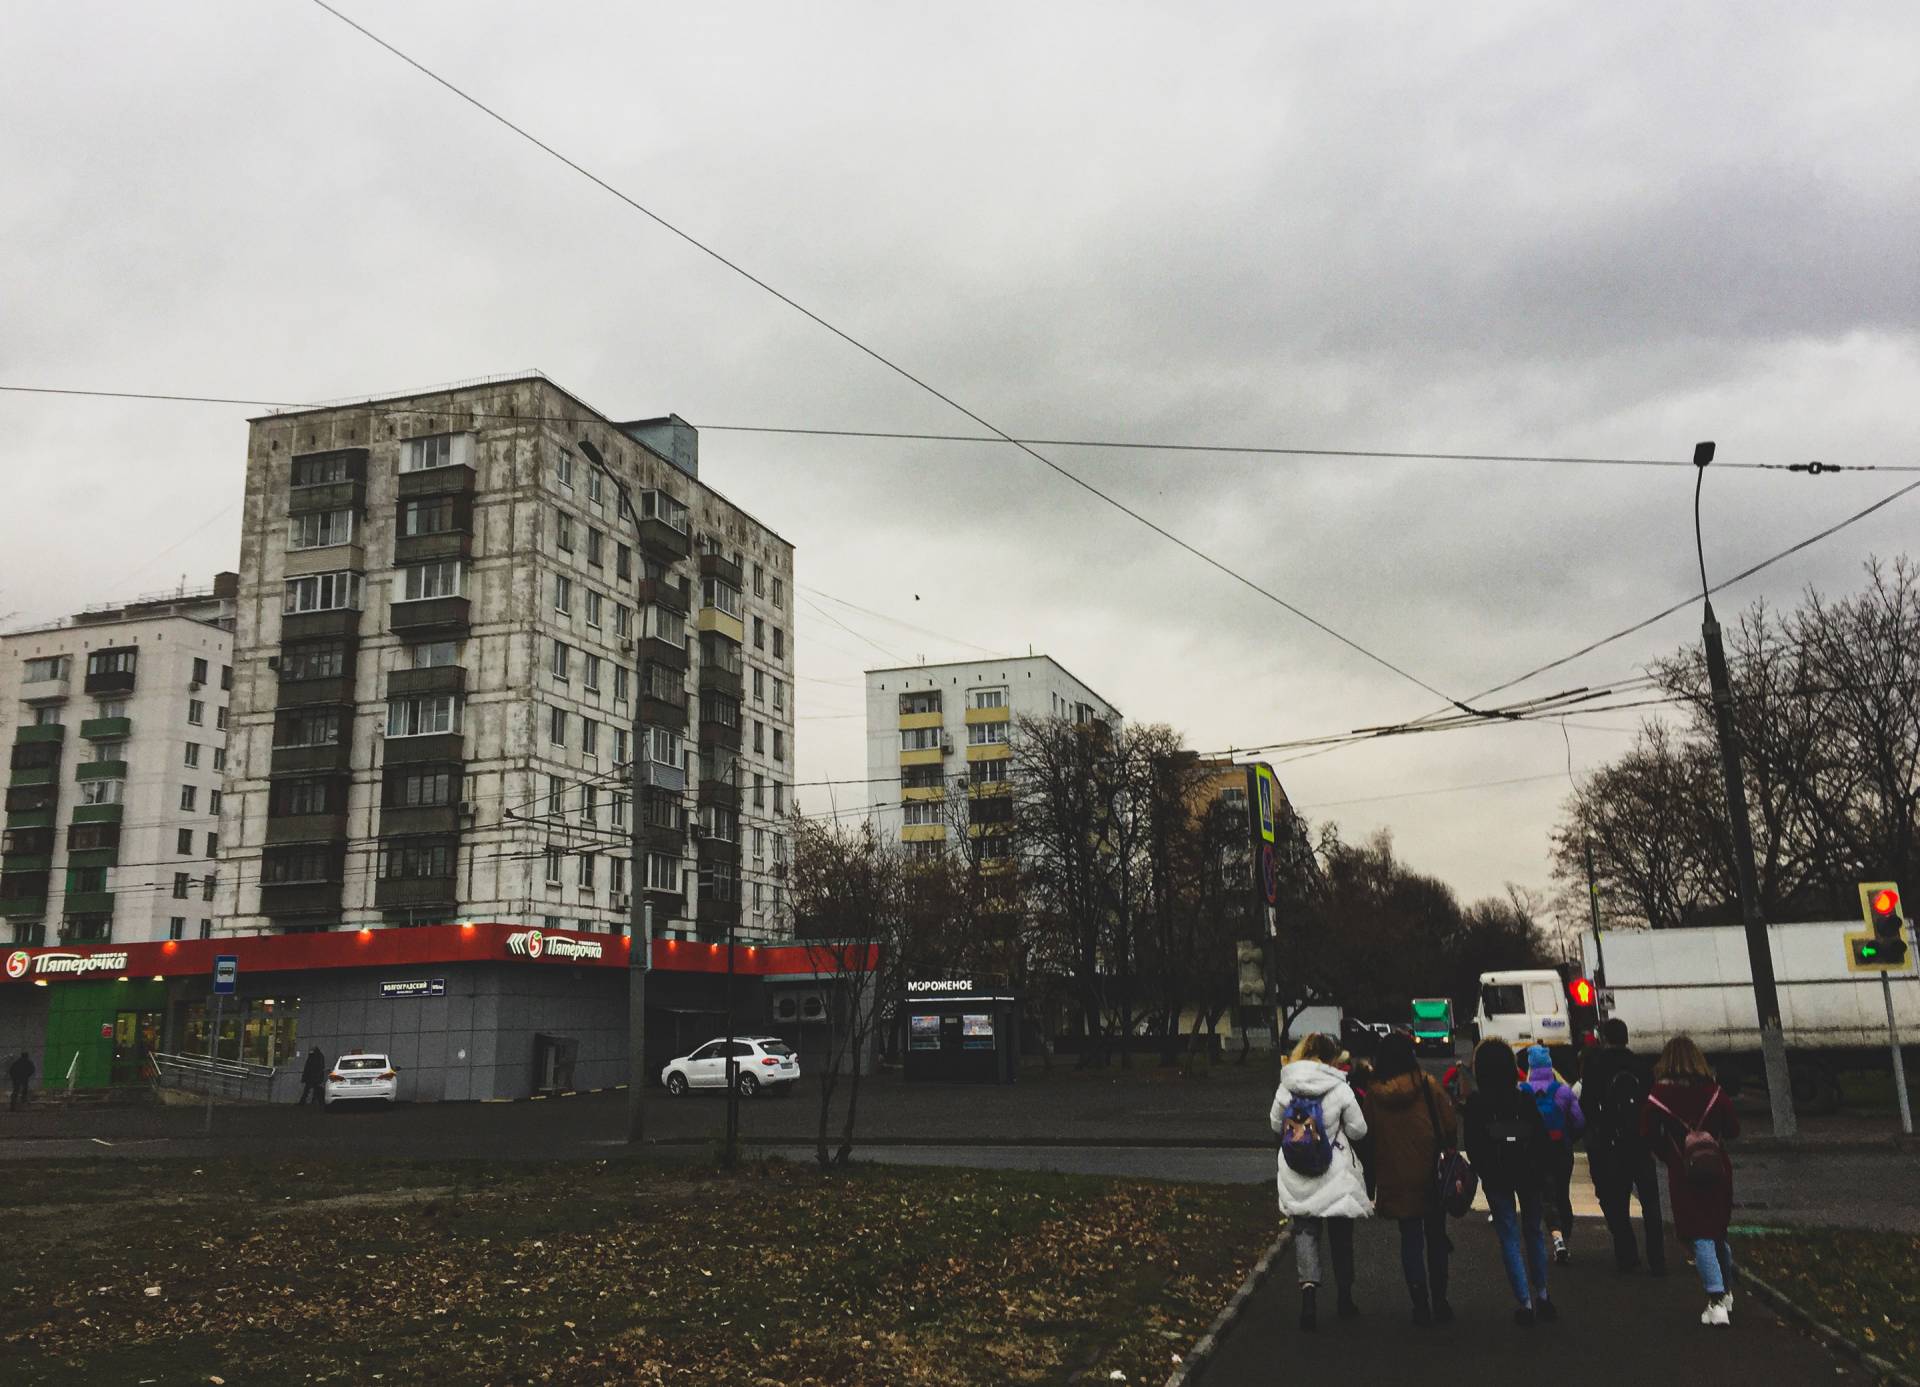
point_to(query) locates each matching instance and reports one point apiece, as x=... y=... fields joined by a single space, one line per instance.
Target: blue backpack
x=1550 y=1112
x=1304 y=1143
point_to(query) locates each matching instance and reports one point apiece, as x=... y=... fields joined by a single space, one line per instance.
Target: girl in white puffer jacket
x=1323 y=1206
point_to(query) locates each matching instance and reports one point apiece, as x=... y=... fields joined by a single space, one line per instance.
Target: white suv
x=360 y=1078
x=760 y=1062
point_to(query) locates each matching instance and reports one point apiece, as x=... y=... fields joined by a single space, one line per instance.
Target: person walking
x=1507 y=1143
x=1322 y=1188
x=313 y=1077
x=21 y=1072
x=1613 y=1089
x=1410 y=1122
x=1686 y=1122
x=1561 y=1114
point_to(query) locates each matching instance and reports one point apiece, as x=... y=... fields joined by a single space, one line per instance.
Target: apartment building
x=463 y=615
x=117 y=719
x=939 y=736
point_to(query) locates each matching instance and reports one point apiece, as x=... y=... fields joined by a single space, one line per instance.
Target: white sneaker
x=1718 y=1312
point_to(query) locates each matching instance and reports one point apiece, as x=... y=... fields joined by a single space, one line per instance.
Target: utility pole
x=733 y=916
x=1766 y=995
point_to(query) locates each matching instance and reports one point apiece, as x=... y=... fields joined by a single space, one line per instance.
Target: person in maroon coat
x=1686 y=1100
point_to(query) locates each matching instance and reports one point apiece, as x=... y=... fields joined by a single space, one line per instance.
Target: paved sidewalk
x=1614 y=1331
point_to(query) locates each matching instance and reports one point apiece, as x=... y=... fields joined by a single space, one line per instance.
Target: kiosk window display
x=959 y=1031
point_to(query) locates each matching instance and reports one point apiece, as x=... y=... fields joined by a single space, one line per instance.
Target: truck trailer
x=1698 y=982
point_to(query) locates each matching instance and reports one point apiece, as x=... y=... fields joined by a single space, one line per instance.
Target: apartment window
x=924 y=812
x=421 y=790
x=665 y=625
x=759 y=897
x=563 y=593
x=779 y=745
x=563 y=531
x=759 y=791
x=594 y=483
x=563 y=470
x=109 y=708
x=593 y=609
x=622 y=621
x=425 y=454
x=596 y=547
x=434 y=654
x=779 y=693
x=593 y=674
x=196 y=712
x=193 y=753
x=425 y=581
x=182 y=886
x=590 y=737
x=320 y=660
x=589 y=804
x=318 y=529
x=987 y=734
x=720 y=709
x=101 y=791
x=921 y=738
x=219 y=763
x=226 y=678
x=423 y=715
x=220 y=718
x=183 y=842
x=557 y=726
x=657 y=505
x=322 y=592
x=759 y=738
x=663 y=872
x=112 y=661
x=759 y=580
x=553 y=866
x=617 y=809
x=213 y=845
x=989 y=698
x=779 y=851
x=663 y=746
x=779 y=797
x=717 y=592
x=562 y=661
x=190 y=798
x=319 y=469
x=779 y=643
x=48 y=716
x=206 y=929
x=298 y=865
x=759 y=633
x=620 y=682
x=177 y=927
x=718 y=822
x=621 y=743
x=584 y=877
x=431 y=857
x=206 y=888
x=759 y=845
x=913 y=704
x=989 y=772
x=622 y=560
x=307 y=729
x=617 y=875
x=434 y=515
x=295 y=797
x=556 y=795
x=759 y=686
x=102 y=751
x=779 y=593
x=199 y=671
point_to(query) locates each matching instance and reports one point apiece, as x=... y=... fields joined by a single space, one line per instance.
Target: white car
x=362 y=1078
x=761 y=1062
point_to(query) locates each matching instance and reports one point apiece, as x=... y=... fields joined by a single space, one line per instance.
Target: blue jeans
x=1509 y=1230
x=1713 y=1259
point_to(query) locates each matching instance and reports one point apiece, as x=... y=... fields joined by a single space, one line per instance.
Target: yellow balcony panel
x=929 y=756
x=991 y=751
x=997 y=865
x=923 y=833
x=995 y=830
x=976 y=716
x=914 y=792
x=909 y=721
x=713 y=619
x=981 y=789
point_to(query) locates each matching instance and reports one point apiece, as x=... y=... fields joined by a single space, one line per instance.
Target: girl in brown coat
x=1411 y=1120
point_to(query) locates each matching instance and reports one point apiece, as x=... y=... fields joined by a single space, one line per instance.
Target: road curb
x=1826 y=1333
x=1195 y=1363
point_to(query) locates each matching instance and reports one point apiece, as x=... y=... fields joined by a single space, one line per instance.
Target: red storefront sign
x=427 y=944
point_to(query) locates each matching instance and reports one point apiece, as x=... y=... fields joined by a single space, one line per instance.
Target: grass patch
x=309 y=1271
x=1864 y=1283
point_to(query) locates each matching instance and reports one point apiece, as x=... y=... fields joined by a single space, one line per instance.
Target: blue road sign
x=226 y=974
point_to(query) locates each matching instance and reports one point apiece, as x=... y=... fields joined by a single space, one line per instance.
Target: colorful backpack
x=1547 y=1101
x=1304 y=1143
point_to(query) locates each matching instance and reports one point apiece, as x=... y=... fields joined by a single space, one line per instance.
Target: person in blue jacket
x=1560 y=1112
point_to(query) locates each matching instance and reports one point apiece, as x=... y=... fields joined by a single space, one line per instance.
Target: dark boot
x=1307 y=1320
x=1346 y=1309
x=1422 y=1311
x=1442 y=1310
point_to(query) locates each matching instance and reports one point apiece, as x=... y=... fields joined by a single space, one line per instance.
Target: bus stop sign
x=226 y=973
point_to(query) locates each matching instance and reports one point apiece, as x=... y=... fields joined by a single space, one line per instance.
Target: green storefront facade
x=97 y=1032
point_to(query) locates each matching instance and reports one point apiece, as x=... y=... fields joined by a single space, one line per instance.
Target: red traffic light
x=1885 y=902
x=1581 y=991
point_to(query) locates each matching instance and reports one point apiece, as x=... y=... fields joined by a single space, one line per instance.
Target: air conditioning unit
x=946 y=746
x=194 y=686
x=626 y=645
x=273 y=662
x=622 y=901
x=466 y=809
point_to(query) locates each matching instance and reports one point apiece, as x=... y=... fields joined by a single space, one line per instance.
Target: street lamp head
x=1702 y=453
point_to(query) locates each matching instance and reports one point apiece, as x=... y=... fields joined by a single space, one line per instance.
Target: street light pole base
x=1773 y=1053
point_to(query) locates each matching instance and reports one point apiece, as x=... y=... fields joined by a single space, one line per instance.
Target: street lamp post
x=1766 y=995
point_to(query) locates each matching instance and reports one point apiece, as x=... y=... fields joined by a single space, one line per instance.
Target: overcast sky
x=1569 y=229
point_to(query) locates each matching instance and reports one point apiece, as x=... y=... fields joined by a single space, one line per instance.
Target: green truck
x=1433 y=1025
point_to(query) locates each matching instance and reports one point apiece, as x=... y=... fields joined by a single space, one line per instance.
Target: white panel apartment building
x=117 y=723
x=934 y=728
x=452 y=641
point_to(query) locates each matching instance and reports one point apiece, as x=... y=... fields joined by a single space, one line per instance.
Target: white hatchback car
x=761 y=1062
x=361 y=1078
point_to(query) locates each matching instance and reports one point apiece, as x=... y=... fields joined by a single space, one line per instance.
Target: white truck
x=1698 y=982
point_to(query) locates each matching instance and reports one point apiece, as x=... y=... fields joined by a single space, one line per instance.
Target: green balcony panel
x=88 y=903
x=30 y=818
x=91 y=857
x=107 y=729
x=33 y=775
x=97 y=813
x=100 y=770
x=28 y=862
x=23 y=907
x=40 y=732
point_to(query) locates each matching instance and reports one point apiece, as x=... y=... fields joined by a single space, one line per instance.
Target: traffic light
x=1884 y=946
x=1581 y=991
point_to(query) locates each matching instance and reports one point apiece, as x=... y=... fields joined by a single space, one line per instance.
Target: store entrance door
x=136 y=1034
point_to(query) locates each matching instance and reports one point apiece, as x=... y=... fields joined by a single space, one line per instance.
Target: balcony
x=435 y=746
x=668 y=592
x=415 y=893
x=46 y=690
x=717 y=678
x=98 y=813
x=662 y=540
x=658 y=710
x=22 y=907
x=304 y=760
x=711 y=911
x=441 y=679
x=93 y=857
x=662 y=652
x=88 y=903
x=925 y=756
x=106 y=729
x=109 y=681
x=35 y=864
x=307 y=828
x=455 y=480
x=720 y=734
x=41 y=734
x=430 y=616
x=663 y=838
x=350 y=494
x=990 y=751
x=721 y=792
x=292 y=898
x=336 y=690
x=976 y=717
x=341 y=622
x=721 y=624
x=723 y=850
x=447 y=544
x=911 y=721
x=667 y=905
x=409 y=820
x=718 y=566
x=30 y=818
x=33 y=775
x=100 y=770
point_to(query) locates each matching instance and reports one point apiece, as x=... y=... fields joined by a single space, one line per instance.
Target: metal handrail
x=207 y=1073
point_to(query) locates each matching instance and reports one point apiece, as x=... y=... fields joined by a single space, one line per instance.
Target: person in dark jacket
x=313 y=1077
x=1410 y=1122
x=21 y=1072
x=1560 y=1111
x=1613 y=1090
x=1686 y=1099
x=1507 y=1143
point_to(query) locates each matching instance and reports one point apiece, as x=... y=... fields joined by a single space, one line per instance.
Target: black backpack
x=1625 y=1094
